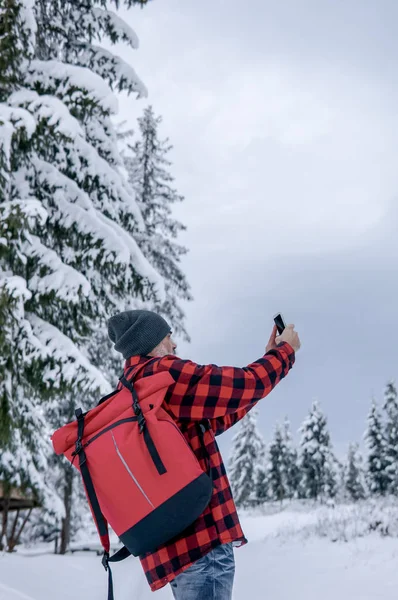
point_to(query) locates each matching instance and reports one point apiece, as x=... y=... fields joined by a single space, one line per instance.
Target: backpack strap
x=105 y=398
x=150 y=444
x=202 y=427
x=100 y=521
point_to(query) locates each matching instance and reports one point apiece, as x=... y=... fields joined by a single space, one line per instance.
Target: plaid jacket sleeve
x=211 y=392
x=221 y=424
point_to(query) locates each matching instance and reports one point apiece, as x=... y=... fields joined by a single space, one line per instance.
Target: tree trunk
x=15 y=540
x=11 y=537
x=66 y=521
x=7 y=499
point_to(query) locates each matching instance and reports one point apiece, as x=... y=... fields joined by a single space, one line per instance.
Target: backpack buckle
x=141 y=421
x=79 y=451
x=105 y=560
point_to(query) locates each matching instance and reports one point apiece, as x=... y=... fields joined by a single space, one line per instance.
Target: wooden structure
x=17 y=501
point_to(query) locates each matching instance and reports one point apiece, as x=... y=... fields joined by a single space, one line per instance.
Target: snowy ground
x=285 y=559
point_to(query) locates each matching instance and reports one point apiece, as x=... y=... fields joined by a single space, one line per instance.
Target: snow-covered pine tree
x=317 y=462
x=246 y=453
x=24 y=445
x=290 y=460
x=340 y=476
x=354 y=475
x=260 y=493
x=376 y=473
x=390 y=407
x=277 y=475
x=68 y=257
x=148 y=168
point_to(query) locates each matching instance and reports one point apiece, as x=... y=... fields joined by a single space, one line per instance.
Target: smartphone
x=279 y=322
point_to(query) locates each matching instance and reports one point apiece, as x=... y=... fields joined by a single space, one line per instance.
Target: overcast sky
x=284 y=121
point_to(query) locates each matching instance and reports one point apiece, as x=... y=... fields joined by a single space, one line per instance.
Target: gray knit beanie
x=137 y=331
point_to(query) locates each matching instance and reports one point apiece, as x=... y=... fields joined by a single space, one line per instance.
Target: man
x=199 y=563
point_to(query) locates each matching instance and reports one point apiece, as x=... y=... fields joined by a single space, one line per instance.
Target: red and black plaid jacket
x=222 y=395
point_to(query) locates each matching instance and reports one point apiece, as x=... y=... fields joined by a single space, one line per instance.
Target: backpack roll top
x=147 y=480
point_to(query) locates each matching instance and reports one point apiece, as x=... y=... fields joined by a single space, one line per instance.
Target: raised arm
x=211 y=392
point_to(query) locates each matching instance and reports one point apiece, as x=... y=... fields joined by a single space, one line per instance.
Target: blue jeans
x=209 y=578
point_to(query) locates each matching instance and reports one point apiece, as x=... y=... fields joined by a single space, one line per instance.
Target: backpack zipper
x=96 y=436
x=129 y=470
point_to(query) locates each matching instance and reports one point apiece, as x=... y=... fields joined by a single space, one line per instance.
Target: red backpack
x=140 y=474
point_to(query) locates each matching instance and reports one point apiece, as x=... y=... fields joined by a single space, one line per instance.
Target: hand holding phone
x=280 y=323
x=286 y=333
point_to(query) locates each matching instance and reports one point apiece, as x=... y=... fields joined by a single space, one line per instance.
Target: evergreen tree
x=261 y=492
x=277 y=467
x=317 y=462
x=68 y=255
x=277 y=474
x=283 y=474
x=290 y=460
x=377 y=476
x=23 y=442
x=247 y=452
x=147 y=166
x=354 y=475
x=391 y=436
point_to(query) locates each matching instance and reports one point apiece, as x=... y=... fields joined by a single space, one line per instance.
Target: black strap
x=100 y=520
x=105 y=562
x=204 y=426
x=131 y=388
x=117 y=557
x=88 y=482
x=105 y=398
x=150 y=444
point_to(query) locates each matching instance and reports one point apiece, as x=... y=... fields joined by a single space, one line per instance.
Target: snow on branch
x=116 y=188
x=27 y=17
x=65 y=281
x=48 y=107
x=86 y=156
x=76 y=368
x=114 y=69
x=15 y=286
x=104 y=138
x=12 y=119
x=44 y=341
x=58 y=115
x=31 y=208
x=76 y=207
x=61 y=77
x=116 y=27
x=118 y=195
x=139 y=262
